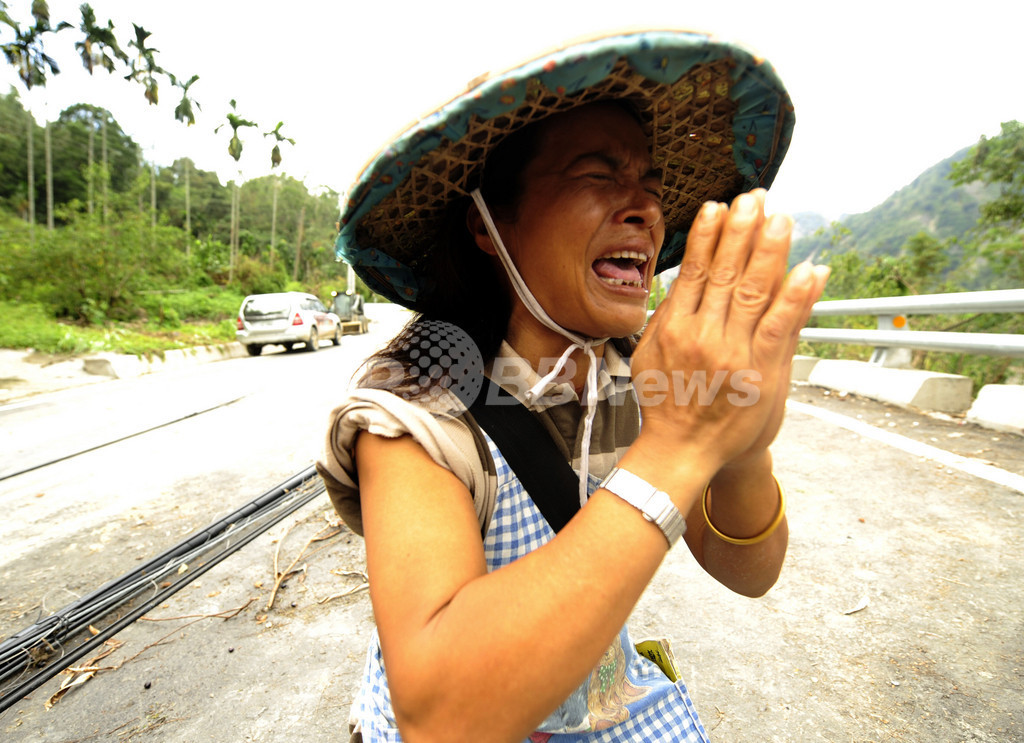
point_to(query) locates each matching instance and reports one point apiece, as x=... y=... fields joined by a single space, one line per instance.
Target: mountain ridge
x=931 y=203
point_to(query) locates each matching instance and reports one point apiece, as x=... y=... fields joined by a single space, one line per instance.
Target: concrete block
x=943 y=393
x=999 y=406
x=115 y=365
x=125 y=366
x=802 y=366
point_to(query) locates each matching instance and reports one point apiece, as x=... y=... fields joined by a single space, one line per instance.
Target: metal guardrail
x=892 y=340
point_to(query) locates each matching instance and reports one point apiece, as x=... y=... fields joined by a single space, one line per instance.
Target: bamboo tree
x=275 y=160
x=298 y=243
x=183 y=112
x=98 y=47
x=28 y=56
x=145 y=70
x=236 y=122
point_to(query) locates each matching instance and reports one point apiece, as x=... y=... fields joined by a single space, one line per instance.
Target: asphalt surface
x=899 y=614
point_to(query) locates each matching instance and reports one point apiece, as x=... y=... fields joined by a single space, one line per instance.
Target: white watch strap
x=654 y=504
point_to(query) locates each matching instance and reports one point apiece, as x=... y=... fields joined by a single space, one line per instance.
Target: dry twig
x=280 y=577
x=78 y=675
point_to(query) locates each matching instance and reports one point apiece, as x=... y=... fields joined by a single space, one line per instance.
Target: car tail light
x=239 y=324
x=297 y=320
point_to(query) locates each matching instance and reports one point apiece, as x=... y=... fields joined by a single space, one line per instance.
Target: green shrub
x=255 y=277
x=210 y=304
x=30 y=325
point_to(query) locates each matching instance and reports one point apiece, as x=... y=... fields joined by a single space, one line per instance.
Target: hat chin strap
x=576 y=342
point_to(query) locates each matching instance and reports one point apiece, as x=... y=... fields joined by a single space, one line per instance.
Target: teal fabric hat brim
x=719 y=118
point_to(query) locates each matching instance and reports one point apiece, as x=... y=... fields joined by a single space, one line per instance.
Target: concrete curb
x=999 y=406
x=802 y=366
x=124 y=366
x=909 y=388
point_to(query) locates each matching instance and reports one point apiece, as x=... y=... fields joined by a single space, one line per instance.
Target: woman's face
x=588 y=226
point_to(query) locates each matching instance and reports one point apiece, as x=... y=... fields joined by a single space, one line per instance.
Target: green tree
x=925 y=260
x=275 y=160
x=15 y=123
x=98 y=47
x=209 y=201
x=28 y=56
x=183 y=112
x=236 y=122
x=999 y=237
x=121 y=156
x=146 y=71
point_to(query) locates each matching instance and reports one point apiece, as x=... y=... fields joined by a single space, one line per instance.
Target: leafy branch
x=97 y=41
x=236 y=122
x=183 y=111
x=275 y=154
x=144 y=68
x=26 y=53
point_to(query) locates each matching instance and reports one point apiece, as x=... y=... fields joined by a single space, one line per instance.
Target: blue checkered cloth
x=626 y=698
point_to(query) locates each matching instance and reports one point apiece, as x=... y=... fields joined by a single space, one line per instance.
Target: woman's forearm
x=743 y=502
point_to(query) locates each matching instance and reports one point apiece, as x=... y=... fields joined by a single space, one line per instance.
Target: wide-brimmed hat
x=718 y=118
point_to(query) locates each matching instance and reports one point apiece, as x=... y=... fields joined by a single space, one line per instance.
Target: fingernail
x=746 y=204
x=801 y=274
x=779 y=225
x=709 y=210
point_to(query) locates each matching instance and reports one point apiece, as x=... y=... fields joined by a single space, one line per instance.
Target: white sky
x=883 y=90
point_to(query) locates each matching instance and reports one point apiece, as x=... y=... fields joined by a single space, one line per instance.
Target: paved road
x=898 y=616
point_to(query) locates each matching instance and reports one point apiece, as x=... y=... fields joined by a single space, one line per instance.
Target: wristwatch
x=654 y=504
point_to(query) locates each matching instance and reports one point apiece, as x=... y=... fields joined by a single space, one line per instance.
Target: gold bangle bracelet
x=757 y=537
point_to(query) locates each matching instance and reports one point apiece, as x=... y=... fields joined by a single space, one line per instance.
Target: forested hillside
x=99 y=244
x=282 y=227
x=159 y=248
x=959 y=226
x=932 y=204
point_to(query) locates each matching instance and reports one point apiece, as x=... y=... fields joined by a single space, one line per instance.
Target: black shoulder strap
x=527 y=447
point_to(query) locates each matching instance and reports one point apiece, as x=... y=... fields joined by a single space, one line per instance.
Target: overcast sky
x=883 y=90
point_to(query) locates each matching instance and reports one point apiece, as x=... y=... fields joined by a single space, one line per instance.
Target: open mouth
x=622 y=268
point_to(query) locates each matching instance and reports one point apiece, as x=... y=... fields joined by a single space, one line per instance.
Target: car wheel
x=313 y=344
x=337 y=335
x=254 y=349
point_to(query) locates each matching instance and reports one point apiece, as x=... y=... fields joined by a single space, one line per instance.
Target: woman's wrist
x=744 y=500
x=761 y=536
x=677 y=470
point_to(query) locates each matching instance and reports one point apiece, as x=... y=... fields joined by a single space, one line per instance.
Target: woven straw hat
x=718 y=118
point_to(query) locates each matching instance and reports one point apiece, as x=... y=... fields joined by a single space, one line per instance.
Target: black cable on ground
x=254 y=518
x=9 y=475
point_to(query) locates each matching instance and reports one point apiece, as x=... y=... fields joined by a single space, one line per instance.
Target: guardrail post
x=891 y=356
